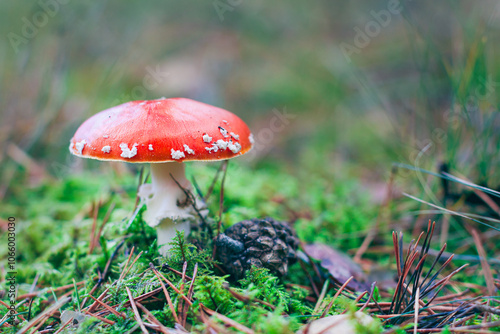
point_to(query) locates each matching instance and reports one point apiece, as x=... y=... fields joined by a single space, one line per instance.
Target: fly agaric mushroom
x=164 y=133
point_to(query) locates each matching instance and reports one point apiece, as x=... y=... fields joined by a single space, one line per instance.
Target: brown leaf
x=339 y=265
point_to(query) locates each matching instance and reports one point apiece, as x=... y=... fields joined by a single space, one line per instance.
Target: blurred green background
x=426 y=74
x=363 y=84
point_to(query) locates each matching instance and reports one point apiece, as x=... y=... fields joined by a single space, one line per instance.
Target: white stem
x=167 y=209
x=167 y=230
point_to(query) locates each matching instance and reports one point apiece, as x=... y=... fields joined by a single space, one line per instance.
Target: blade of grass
x=450 y=211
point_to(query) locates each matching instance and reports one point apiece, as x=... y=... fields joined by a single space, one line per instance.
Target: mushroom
x=164 y=133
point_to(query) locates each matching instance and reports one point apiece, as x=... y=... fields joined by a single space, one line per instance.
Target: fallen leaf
x=339 y=265
x=78 y=317
x=336 y=324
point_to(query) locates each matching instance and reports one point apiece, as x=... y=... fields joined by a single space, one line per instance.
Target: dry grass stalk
x=34 y=294
x=174 y=287
x=149 y=315
x=136 y=312
x=130 y=267
x=244 y=298
x=101 y=296
x=178 y=273
x=327 y=309
x=39 y=319
x=63 y=326
x=109 y=322
x=490 y=283
x=109 y=308
x=417 y=304
x=167 y=296
x=181 y=304
x=227 y=320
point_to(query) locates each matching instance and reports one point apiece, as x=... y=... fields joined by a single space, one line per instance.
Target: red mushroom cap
x=175 y=129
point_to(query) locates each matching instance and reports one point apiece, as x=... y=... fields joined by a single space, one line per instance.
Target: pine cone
x=263 y=243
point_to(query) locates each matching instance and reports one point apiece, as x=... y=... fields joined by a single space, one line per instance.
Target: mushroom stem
x=167 y=206
x=167 y=230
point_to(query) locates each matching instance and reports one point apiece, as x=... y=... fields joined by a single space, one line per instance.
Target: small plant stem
x=136 y=312
x=221 y=206
x=417 y=304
